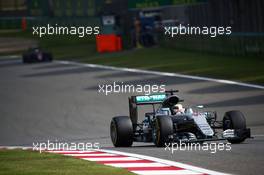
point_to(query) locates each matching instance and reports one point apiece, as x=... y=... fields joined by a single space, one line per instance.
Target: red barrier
x=23 y=23
x=108 y=43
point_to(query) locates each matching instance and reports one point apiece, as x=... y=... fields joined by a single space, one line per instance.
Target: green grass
x=18 y=162
x=245 y=69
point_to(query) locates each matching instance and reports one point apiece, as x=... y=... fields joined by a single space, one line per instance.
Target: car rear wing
x=135 y=101
x=149 y=99
x=152 y=98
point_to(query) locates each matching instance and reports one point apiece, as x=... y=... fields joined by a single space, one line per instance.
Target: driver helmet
x=178 y=109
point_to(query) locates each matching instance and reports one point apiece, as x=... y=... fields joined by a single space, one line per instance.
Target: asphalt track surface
x=54 y=101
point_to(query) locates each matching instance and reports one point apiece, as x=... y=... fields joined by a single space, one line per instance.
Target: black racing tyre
x=51 y=58
x=121 y=131
x=25 y=59
x=234 y=120
x=48 y=57
x=162 y=129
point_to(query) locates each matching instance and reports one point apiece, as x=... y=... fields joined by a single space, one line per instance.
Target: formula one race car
x=170 y=122
x=35 y=55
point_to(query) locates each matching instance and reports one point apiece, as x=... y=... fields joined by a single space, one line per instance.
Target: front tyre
x=162 y=129
x=25 y=58
x=234 y=120
x=121 y=131
x=48 y=57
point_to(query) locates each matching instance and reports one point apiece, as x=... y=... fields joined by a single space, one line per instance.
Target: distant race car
x=35 y=55
x=170 y=122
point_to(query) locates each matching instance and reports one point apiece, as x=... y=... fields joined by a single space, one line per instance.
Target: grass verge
x=244 y=69
x=21 y=162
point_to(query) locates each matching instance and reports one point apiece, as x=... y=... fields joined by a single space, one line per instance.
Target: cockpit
x=172 y=106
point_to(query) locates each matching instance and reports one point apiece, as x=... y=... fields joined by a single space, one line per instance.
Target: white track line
x=258 y=135
x=163 y=74
x=15 y=147
x=127 y=165
x=111 y=159
x=164 y=172
x=98 y=155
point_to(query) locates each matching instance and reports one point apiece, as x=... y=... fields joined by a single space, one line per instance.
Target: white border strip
x=163 y=74
x=15 y=147
x=168 y=162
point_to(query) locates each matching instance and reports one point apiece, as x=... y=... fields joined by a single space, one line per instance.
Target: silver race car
x=169 y=122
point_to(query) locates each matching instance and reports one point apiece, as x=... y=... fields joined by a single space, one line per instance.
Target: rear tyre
x=48 y=57
x=121 y=131
x=25 y=59
x=162 y=129
x=234 y=120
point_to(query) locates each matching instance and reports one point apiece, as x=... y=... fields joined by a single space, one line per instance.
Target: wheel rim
x=156 y=133
x=113 y=132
